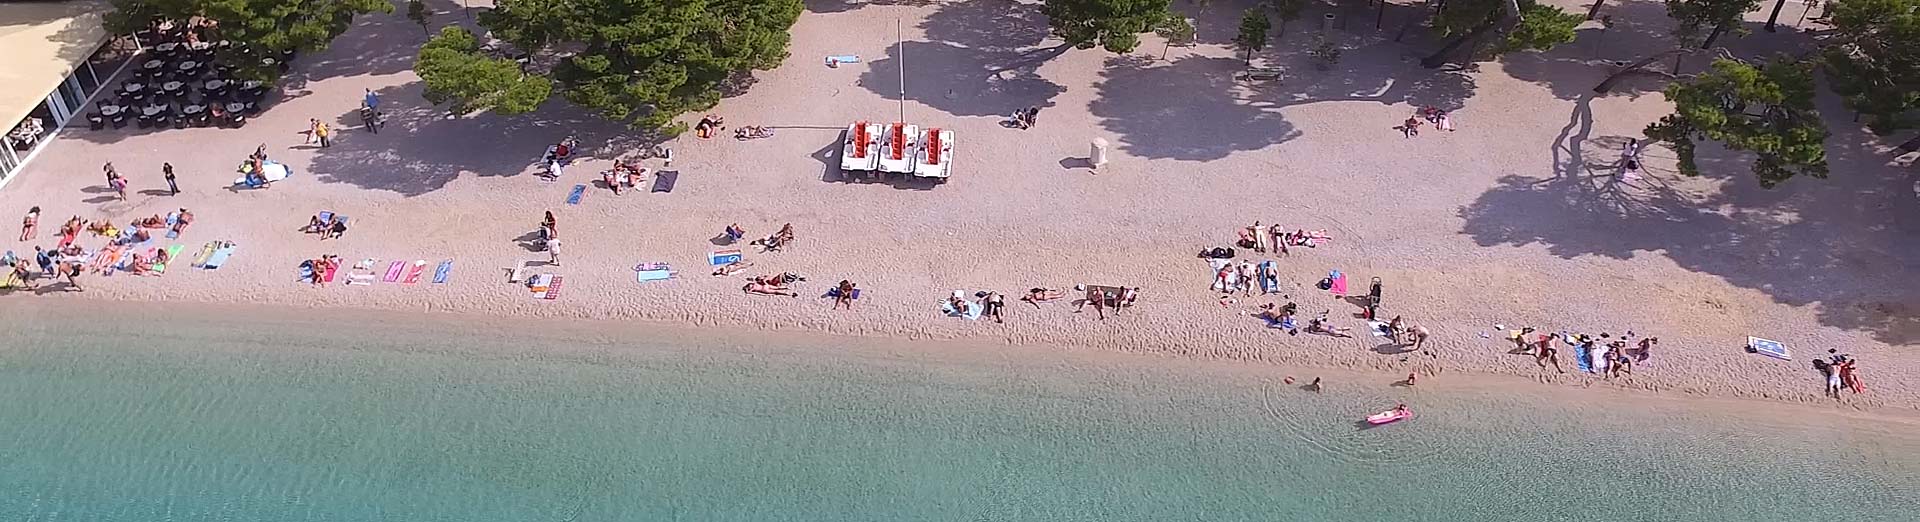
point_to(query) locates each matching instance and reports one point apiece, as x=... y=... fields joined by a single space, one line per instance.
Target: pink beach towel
x=393 y=271
x=1339 y=284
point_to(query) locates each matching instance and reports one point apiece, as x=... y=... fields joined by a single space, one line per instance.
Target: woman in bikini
x=30 y=227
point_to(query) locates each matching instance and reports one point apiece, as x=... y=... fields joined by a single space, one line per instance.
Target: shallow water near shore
x=356 y=416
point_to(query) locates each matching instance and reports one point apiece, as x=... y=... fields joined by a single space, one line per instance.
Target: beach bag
x=1326 y=283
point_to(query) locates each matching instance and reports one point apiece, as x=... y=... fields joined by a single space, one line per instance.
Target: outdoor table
x=236 y=107
x=166 y=47
x=268 y=61
x=151 y=110
x=252 y=84
x=189 y=65
x=193 y=109
x=153 y=64
x=170 y=86
x=110 y=110
x=214 y=85
x=133 y=87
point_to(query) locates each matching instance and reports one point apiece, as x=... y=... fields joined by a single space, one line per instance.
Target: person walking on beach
x=30 y=227
x=119 y=185
x=111 y=174
x=73 y=277
x=313 y=130
x=1545 y=352
x=326 y=135
x=166 y=169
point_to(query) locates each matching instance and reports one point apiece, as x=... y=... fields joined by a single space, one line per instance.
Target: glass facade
x=65 y=103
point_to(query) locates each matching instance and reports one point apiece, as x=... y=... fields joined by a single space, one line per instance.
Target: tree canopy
x=456 y=70
x=1114 y=25
x=1537 y=27
x=1253 y=32
x=1873 y=59
x=644 y=62
x=258 y=28
x=1766 y=109
x=1718 y=15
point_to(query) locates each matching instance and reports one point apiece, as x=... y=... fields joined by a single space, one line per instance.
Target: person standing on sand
x=326 y=135
x=553 y=251
x=1315 y=385
x=46 y=263
x=167 y=170
x=30 y=226
x=1246 y=278
x=313 y=130
x=1418 y=335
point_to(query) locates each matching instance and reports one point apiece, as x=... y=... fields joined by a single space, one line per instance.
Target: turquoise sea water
x=345 y=418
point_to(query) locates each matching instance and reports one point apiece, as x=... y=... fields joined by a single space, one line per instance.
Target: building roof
x=42 y=42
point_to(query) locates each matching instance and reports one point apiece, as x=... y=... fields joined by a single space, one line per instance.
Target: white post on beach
x=1098 y=156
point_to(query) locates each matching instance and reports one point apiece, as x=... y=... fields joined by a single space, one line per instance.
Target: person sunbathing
x=767 y=289
x=612 y=180
x=153 y=221
x=732 y=268
x=1319 y=325
x=1042 y=295
x=138 y=264
x=102 y=228
x=315 y=224
x=735 y=233
x=161 y=258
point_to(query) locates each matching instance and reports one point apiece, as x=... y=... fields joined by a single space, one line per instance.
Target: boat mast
x=900 y=50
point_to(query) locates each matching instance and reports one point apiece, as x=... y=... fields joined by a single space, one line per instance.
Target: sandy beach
x=1511 y=220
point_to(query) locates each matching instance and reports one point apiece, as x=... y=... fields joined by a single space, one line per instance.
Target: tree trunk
x=1163 y=50
x=1509 y=17
x=1595 y=12
x=1771 y=18
x=1283 y=28
x=1607 y=84
x=1718 y=29
x=1380 y=18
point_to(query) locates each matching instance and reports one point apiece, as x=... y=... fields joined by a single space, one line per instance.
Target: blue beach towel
x=578 y=191
x=441 y=272
x=835 y=292
x=1269 y=281
x=972 y=313
x=840 y=59
x=1583 y=358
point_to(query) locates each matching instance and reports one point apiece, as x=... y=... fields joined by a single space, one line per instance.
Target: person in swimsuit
x=843 y=294
x=30 y=226
x=994 y=303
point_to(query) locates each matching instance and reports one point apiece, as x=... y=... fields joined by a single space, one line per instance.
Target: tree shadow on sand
x=980 y=60
x=1839 y=244
x=419 y=149
x=1193 y=107
x=1640 y=29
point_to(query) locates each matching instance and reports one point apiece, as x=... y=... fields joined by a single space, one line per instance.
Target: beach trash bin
x=1326 y=22
x=1098 y=156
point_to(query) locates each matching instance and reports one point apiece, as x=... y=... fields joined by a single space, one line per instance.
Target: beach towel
x=306 y=271
x=553 y=289
x=1769 y=348
x=105 y=258
x=205 y=252
x=837 y=59
x=642 y=276
x=1600 y=358
x=1339 y=287
x=442 y=272
x=393 y=271
x=723 y=257
x=1378 y=328
x=971 y=310
x=413 y=274
x=578 y=192
x=538 y=285
x=663 y=182
x=1269 y=279
x=835 y=293
x=1583 y=358
x=331 y=270
x=173 y=254
x=219 y=257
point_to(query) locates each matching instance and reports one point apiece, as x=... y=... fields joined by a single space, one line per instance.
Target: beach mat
x=206 y=251
x=723 y=257
x=833 y=60
x=835 y=292
x=442 y=272
x=642 y=276
x=972 y=311
x=1339 y=283
x=393 y=271
x=219 y=257
x=1269 y=279
x=663 y=182
x=1583 y=358
x=413 y=273
x=331 y=271
x=1378 y=328
x=553 y=289
x=579 y=191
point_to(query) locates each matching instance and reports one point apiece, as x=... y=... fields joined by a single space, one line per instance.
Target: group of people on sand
x=1841 y=372
x=1438 y=117
x=709 y=126
x=317 y=268
x=779 y=240
x=1608 y=355
x=1279 y=239
x=331 y=226
x=623 y=176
